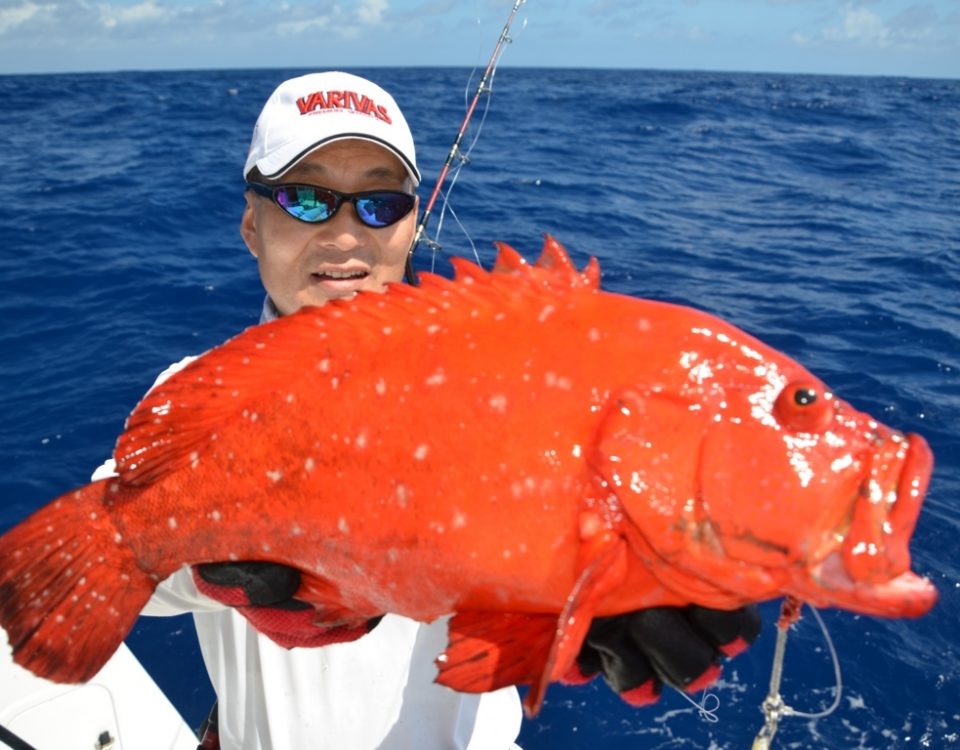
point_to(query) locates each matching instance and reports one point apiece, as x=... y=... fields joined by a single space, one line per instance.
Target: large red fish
x=516 y=447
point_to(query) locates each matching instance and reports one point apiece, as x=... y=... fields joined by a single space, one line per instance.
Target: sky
x=855 y=37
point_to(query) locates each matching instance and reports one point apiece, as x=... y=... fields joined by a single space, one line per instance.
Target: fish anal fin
x=490 y=650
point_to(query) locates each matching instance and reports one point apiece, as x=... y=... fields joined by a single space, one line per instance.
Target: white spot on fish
x=309 y=464
x=387 y=330
x=840 y=464
x=161 y=410
x=380 y=387
x=459 y=519
x=593 y=335
x=194 y=460
x=498 y=403
x=290 y=398
x=361 y=441
x=393 y=555
x=421 y=452
x=172 y=522
x=215 y=514
x=643 y=325
x=439 y=377
x=296 y=530
x=545 y=313
x=323 y=365
x=342 y=525
x=275 y=476
x=557 y=381
x=701 y=373
x=402 y=495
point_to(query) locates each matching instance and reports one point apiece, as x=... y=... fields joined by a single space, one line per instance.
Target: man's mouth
x=339 y=275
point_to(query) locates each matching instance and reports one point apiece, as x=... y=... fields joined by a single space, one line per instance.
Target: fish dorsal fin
x=179 y=418
x=176 y=422
x=554 y=266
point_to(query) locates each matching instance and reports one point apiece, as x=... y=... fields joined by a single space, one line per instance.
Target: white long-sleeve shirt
x=375 y=692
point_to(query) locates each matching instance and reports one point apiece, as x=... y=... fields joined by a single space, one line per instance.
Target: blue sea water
x=819 y=213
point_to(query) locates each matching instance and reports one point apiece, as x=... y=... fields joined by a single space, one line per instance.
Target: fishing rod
x=455 y=153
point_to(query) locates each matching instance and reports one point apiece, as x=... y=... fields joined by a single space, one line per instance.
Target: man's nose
x=344 y=231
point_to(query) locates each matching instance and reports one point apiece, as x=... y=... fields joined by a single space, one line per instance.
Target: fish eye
x=804 y=406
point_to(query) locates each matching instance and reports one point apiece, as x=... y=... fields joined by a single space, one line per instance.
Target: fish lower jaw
x=830 y=585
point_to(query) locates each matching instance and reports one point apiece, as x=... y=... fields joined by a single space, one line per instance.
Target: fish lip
x=881 y=528
x=870 y=572
x=904 y=595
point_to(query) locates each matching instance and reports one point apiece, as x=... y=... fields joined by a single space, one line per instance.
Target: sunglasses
x=315 y=205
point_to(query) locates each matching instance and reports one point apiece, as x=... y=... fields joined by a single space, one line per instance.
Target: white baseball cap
x=312 y=111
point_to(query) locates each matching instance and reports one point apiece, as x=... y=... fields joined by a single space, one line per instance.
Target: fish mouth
x=871 y=573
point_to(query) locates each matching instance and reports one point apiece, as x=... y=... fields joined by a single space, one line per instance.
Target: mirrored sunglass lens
x=380 y=210
x=306 y=203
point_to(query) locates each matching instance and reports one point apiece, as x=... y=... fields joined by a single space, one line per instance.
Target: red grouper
x=516 y=447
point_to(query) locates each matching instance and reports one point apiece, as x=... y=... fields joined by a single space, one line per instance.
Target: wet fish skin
x=516 y=447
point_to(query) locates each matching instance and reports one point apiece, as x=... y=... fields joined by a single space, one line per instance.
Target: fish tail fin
x=70 y=589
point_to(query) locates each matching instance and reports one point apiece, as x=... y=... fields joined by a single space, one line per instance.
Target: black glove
x=263 y=592
x=639 y=652
x=261 y=584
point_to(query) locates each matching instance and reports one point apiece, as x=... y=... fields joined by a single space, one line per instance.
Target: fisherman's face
x=309 y=264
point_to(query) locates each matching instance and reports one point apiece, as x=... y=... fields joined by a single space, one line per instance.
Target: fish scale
x=518 y=448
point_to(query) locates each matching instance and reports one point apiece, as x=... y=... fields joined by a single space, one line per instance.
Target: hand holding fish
x=639 y=652
x=264 y=593
x=517 y=448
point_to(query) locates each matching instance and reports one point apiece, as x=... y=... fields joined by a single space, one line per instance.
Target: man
x=330 y=211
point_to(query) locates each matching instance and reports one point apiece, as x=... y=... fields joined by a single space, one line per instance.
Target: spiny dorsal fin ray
x=176 y=421
x=553 y=268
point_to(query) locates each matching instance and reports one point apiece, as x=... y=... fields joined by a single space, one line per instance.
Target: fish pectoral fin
x=490 y=650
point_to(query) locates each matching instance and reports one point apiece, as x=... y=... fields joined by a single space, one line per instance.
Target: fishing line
x=455 y=151
x=708 y=714
x=773 y=707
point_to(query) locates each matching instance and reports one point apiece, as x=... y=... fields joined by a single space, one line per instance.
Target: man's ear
x=248 y=227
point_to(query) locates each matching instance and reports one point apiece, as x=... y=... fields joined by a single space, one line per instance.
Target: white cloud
x=10 y=18
x=859 y=25
x=145 y=12
x=371 y=11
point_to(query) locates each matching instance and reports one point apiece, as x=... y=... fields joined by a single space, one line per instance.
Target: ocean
x=819 y=213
